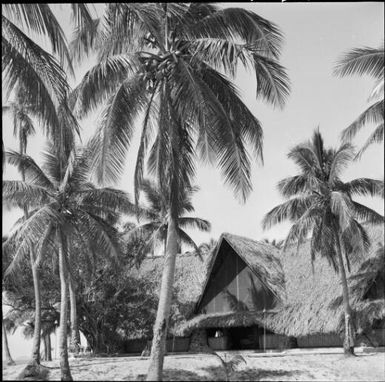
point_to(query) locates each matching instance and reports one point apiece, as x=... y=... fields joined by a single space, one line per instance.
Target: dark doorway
x=244 y=337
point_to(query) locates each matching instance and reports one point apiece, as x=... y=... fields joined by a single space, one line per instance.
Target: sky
x=316 y=35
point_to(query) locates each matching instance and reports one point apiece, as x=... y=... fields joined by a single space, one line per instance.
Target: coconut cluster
x=157 y=67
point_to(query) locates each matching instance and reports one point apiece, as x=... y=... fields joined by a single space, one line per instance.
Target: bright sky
x=316 y=34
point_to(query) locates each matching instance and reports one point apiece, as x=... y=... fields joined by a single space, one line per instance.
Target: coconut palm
x=320 y=205
x=23 y=127
x=155 y=230
x=64 y=208
x=27 y=64
x=368 y=61
x=163 y=61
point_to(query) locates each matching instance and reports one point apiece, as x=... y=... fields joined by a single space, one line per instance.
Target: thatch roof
x=311 y=303
x=190 y=273
x=223 y=320
x=260 y=257
x=314 y=301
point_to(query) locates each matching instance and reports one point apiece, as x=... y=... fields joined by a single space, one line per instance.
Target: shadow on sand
x=218 y=374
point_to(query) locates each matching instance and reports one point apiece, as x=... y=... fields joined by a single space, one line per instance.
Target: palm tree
x=368 y=61
x=155 y=230
x=164 y=62
x=65 y=208
x=320 y=205
x=27 y=64
x=23 y=127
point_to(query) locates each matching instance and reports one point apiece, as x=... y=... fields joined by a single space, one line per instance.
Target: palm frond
x=373 y=114
x=20 y=194
x=187 y=240
x=366 y=214
x=101 y=81
x=33 y=173
x=128 y=24
x=147 y=131
x=39 y=18
x=341 y=159
x=294 y=185
x=376 y=137
x=342 y=207
x=116 y=129
x=272 y=81
x=302 y=226
x=362 y=61
x=192 y=222
x=228 y=96
x=42 y=63
x=29 y=234
x=111 y=199
x=85 y=39
x=365 y=187
x=238 y=23
x=290 y=210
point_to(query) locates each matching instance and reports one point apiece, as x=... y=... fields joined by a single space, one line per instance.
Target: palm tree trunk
x=63 y=351
x=75 y=335
x=37 y=329
x=349 y=330
x=158 y=347
x=35 y=360
x=8 y=359
x=47 y=347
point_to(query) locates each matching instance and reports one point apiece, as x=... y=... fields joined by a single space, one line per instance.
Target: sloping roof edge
x=226 y=236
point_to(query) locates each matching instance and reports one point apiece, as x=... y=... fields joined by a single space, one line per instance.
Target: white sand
x=205 y=367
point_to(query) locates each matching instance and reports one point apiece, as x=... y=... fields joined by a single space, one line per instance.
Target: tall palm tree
x=23 y=127
x=65 y=208
x=321 y=206
x=164 y=62
x=154 y=231
x=368 y=61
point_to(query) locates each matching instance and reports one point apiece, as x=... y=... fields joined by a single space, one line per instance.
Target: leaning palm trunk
x=349 y=329
x=75 y=335
x=63 y=351
x=8 y=358
x=158 y=348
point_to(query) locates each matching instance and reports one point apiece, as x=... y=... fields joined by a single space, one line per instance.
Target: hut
x=257 y=297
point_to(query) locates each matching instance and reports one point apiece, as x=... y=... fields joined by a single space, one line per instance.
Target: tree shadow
x=257 y=374
x=217 y=373
x=34 y=373
x=213 y=373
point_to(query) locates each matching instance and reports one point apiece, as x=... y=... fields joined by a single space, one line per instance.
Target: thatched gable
x=261 y=258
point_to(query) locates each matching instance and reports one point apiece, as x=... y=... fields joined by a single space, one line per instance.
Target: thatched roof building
x=306 y=302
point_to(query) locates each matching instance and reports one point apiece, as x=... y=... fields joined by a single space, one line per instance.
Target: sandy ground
x=206 y=367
